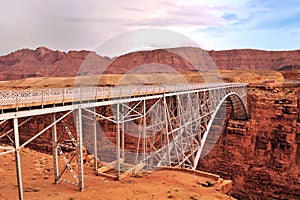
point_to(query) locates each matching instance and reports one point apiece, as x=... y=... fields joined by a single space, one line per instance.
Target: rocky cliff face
x=262 y=155
x=254 y=59
x=44 y=62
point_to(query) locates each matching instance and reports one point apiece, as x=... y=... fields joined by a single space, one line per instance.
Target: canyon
x=260 y=155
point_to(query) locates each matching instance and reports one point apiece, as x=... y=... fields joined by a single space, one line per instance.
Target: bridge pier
x=18 y=159
x=95 y=121
x=79 y=150
x=55 y=150
x=118 y=142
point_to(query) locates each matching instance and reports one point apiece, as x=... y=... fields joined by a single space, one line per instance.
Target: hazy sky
x=212 y=24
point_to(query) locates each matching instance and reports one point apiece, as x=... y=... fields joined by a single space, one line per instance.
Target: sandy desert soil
x=247 y=76
x=38 y=183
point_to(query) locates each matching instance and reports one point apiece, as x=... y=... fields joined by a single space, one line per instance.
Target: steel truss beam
x=58 y=151
x=178 y=126
x=67 y=152
x=166 y=128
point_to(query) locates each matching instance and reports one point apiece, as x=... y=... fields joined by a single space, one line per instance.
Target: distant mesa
x=184 y=59
x=44 y=62
x=255 y=59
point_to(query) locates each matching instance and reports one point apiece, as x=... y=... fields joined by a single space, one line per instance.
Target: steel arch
x=210 y=123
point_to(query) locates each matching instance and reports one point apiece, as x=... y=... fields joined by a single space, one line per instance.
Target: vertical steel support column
x=144 y=130
x=179 y=119
x=123 y=136
x=95 y=142
x=123 y=140
x=190 y=115
x=118 y=142
x=167 y=130
x=79 y=150
x=54 y=150
x=18 y=159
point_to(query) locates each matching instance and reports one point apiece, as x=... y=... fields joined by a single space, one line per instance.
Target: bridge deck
x=15 y=99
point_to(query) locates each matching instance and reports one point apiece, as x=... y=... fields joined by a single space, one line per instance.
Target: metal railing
x=16 y=98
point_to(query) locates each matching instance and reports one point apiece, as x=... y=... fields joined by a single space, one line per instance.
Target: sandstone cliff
x=254 y=59
x=44 y=62
x=262 y=155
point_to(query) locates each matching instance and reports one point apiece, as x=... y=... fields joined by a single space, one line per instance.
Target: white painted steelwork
x=169 y=124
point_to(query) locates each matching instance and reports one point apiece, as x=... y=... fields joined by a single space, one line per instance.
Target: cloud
x=86 y=20
x=181 y=16
x=274 y=15
x=84 y=25
x=263 y=24
x=133 y=9
x=214 y=24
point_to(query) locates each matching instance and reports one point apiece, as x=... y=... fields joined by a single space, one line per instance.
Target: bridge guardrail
x=16 y=98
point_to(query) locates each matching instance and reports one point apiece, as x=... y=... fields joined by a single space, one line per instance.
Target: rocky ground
x=37 y=171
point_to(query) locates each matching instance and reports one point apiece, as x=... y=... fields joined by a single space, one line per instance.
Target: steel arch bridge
x=128 y=127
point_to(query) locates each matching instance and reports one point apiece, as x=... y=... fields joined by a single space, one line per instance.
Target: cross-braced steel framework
x=149 y=126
